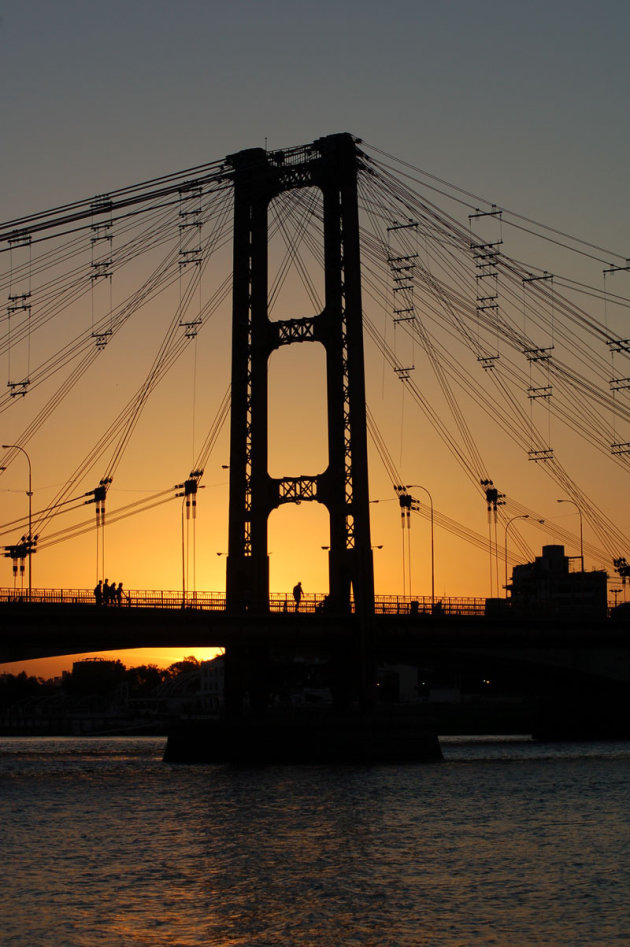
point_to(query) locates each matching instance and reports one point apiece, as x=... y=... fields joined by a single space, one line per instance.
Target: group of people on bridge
x=107 y=593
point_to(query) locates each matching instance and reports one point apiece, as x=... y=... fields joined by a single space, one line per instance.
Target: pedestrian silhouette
x=106 y=592
x=98 y=593
x=297 y=595
x=324 y=605
x=119 y=594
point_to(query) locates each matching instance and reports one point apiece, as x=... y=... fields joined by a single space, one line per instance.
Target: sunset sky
x=524 y=105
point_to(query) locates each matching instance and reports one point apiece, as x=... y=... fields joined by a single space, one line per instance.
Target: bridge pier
x=246 y=681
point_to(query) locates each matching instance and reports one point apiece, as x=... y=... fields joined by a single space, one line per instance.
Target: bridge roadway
x=459 y=631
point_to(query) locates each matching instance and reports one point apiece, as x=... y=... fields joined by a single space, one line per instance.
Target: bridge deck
x=69 y=622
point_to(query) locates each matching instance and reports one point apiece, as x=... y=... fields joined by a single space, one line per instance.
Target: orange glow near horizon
x=135 y=657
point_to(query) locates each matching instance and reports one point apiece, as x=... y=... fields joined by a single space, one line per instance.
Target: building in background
x=548 y=587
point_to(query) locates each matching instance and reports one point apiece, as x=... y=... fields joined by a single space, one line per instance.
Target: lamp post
x=183 y=558
x=581 y=529
x=420 y=487
x=30 y=513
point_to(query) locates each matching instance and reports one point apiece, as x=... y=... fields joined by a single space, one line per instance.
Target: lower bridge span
x=39 y=629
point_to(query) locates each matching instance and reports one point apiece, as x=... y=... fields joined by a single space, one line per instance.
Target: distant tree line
x=91 y=678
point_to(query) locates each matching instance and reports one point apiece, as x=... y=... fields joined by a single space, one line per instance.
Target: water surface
x=506 y=842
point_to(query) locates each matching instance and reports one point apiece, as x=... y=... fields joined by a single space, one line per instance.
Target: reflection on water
x=506 y=842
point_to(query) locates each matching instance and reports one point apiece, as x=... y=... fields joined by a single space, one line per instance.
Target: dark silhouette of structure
x=331 y=164
x=547 y=587
x=345 y=627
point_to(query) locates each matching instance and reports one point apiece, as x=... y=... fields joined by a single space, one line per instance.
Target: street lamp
x=581 y=529
x=30 y=512
x=420 y=487
x=183 y=557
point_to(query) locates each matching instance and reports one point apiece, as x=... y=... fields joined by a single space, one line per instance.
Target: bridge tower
x=331 y=164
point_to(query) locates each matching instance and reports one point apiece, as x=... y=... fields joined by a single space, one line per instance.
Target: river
x=507 y=842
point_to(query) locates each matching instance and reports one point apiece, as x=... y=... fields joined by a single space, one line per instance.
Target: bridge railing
x=47 y=596
x=310 y=603
x=424 y=605
x=135 y=598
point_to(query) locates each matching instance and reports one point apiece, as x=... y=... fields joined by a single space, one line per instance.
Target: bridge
x=68 y=621
x=459 y=635
x=373 y=235
x=559 y=677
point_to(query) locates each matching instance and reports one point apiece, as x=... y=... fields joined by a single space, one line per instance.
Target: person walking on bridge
x=297 y=595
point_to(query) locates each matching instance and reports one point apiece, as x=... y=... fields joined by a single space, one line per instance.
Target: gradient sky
x=524 y=104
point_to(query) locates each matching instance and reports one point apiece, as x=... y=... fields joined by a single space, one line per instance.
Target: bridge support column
x=246 y=680
x=331 y=164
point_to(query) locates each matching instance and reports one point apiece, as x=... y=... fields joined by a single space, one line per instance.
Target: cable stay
x=290 y=220
x=406 y=501
x=98 y=496
x=87 y=526
x=62 y=292
x=465 y=533
x=529 y=347
x=619 y=348
x=471 y=536
x=431 y=414
x=538 y=317
x=101 y=269
x=21 y=523
x=402 y=254
x=190 y=254
x=381 y=448
x=484 y=244
x=518 y=342
x=218 y=423
x=19 y=307
x=596 y=516
x=574 y=243
x=169 y=354
x=58 y=219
